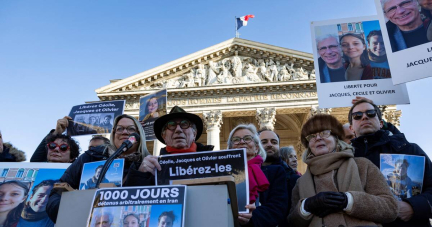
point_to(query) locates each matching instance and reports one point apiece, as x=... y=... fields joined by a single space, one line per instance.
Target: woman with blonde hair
x=267 y=186
x=338 y=189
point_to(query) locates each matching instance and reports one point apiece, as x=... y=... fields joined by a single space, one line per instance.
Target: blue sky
x=54 y=54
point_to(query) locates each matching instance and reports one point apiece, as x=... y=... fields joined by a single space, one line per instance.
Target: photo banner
x=29 y=184
x=94 y=118
x=138 y=206
x=404 y=174
x=208 y=164
x=351 y=61
x=408 y=40
x=92 y=170
x=152 y=106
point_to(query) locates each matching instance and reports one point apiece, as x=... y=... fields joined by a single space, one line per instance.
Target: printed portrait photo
x=351 y=51
x=408 y=22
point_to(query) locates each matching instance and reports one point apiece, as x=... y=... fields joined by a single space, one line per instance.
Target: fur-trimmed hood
x=12 y=154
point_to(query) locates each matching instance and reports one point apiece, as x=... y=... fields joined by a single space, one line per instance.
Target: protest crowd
x=342 y=185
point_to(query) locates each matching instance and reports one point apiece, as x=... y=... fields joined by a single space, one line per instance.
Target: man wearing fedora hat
x=178 y=130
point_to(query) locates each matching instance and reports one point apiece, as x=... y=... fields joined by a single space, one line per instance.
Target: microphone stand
x=126 y=145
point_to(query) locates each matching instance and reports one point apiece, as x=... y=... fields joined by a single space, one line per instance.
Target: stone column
x=266 y=118
x=213 y=123
x=157 y=145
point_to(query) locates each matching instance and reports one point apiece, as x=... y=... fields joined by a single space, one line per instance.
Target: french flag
x=242 y=21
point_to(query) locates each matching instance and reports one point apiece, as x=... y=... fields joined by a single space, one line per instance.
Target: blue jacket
x=274 y=201
x=383 y=141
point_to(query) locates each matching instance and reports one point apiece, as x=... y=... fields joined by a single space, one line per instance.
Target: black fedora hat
x=177 y=113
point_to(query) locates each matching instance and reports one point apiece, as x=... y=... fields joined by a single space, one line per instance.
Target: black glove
x=323 y=202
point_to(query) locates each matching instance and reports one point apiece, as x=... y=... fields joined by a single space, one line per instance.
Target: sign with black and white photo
x=152 y=106
x=94 y=118
x=407 y=35
x=139 y=206
x=350 y=60
x=208 y=164
x=404 y=174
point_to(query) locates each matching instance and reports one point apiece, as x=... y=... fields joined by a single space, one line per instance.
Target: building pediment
x=233 y=62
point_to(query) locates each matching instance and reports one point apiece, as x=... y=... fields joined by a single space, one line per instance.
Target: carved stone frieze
x=393 y=116
x=316 y=110
x=266 y=118
x=212 y=119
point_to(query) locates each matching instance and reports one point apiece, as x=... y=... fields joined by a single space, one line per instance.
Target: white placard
x=345 y=67
x=409 y=59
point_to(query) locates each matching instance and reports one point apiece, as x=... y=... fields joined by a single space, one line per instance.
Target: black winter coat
x=40 y=154
x=274 y=201
x=11 y=154
x=72 y=176
x=291 y=179
x=383 y=141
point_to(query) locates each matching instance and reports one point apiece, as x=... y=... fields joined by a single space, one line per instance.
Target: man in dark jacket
x=9 y=153
x=270 y=141
x=366 y=121
x=178 y=130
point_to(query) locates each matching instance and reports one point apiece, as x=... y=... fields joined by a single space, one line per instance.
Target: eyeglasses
x=62 y=147
x=330 y=47
x=130 y=129
x=323 y=134
x=358 y=115
x=405 y=4
x=236 y=140
x=172 y=125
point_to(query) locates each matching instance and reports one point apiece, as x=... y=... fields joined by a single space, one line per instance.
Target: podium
x=210 y=202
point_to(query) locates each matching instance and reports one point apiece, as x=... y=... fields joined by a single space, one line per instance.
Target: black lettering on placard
x=419 y=62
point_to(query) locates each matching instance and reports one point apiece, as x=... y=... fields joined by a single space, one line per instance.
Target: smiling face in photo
x=402 y=15
x=352 y=47
x=376 y=45
x=331 y=56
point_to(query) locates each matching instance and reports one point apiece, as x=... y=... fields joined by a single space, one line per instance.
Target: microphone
x=133 y=139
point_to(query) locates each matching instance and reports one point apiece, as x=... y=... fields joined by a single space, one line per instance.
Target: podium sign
x=208 y=164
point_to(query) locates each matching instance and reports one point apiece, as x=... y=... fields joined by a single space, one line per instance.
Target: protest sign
x=141 y=206
x=408 y=40
x=31 y=185
x=351 y=61
x=208 y=164
x=92 y=170
x=152 y=106
x=404 y=174
x=94 y=118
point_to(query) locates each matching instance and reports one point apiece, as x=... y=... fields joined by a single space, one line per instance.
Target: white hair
x=326 y=36
x=251 y=128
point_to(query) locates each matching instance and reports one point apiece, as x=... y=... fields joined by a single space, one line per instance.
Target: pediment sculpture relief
x=237 y=70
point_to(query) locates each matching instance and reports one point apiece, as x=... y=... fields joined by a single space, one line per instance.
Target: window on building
x=339 y=27
x=358 y=27
x=4 y=173
x=20 y=173
x=350 y=28
x=30 y=173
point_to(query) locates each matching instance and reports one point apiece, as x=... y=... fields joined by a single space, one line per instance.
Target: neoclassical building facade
x=233 y=82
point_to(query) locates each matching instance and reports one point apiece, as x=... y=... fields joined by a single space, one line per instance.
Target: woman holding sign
x=338 y=189
x=124 y=126
x=356 y=59
x=267 y=183
x=12 y=197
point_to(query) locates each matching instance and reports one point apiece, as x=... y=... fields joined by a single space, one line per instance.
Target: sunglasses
x=62 y=147
x=369 y=113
